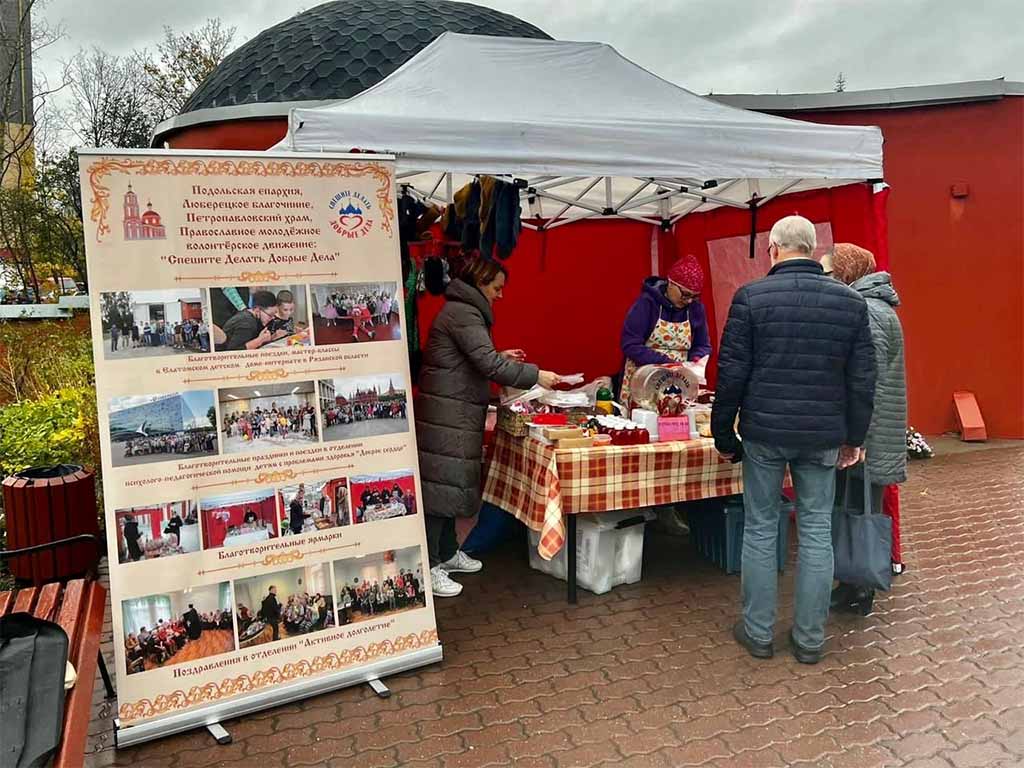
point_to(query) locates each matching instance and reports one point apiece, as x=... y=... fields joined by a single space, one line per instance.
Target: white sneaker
x=462 y=563
x=442 y=583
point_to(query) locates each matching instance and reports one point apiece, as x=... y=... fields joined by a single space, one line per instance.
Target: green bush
x=39 y=358
x=59 y=428
x=47 y=400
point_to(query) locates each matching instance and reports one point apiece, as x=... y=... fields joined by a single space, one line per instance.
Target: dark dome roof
x=339 y=49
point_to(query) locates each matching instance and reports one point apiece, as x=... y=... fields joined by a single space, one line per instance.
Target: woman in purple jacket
x=667 y=324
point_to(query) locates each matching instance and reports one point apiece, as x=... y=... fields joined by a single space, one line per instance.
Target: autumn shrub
x=47 y=399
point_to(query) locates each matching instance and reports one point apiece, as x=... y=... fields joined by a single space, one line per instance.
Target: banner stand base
x=220 y=735
x=275 y=696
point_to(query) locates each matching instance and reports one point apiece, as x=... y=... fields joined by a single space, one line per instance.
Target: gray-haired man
x=797 y=364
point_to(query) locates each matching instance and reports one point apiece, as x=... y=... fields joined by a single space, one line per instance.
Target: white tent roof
x=573 y=115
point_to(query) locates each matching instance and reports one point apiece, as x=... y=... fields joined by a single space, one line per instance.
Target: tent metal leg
x=570 y=572
x=106 y=676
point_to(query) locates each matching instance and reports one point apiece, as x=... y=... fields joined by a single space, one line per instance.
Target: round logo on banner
x=351 y=214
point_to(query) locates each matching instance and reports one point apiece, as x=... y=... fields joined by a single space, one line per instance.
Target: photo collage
x=149 y=428
x=167 y=629
x=162 y=630
x=244 y=518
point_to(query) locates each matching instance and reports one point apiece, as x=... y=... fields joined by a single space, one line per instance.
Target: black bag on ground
x=861 y=540
x=33 y=661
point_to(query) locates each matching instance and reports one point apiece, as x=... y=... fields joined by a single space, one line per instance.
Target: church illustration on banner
x=145 y=227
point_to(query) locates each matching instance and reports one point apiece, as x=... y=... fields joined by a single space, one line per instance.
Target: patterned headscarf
x=851 y=262
x=687 y=273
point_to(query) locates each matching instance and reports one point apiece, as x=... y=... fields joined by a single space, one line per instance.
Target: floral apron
x=670 y=339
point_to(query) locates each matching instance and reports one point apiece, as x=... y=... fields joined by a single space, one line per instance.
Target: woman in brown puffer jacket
x=458 y=363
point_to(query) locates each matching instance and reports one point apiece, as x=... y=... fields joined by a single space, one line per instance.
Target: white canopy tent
x=584 y=131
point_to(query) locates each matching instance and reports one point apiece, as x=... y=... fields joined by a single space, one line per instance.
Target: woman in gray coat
x=459 y=361
x=886 y=444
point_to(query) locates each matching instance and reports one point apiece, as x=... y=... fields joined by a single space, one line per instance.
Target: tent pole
x=644 y=184
x=576 y=202
x=437 y=186
x=780 y=191
x=647 y=199
x=554 y=223
x=556 y=182
x=753 y=226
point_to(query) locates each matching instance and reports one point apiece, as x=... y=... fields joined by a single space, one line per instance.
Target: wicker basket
x=515 y=424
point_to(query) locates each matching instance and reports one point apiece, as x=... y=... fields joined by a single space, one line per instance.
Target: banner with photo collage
x=260 y=473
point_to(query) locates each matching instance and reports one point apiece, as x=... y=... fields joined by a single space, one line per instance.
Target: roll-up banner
x=260 y=478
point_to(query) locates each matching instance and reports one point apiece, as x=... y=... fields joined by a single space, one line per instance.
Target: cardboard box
x=575 y=442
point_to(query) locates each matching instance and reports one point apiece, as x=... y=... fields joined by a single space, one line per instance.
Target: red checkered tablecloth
x=539 y=485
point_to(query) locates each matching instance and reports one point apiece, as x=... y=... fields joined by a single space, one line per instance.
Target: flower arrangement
x=917 y=446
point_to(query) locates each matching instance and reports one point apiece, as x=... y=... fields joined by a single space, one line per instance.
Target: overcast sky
x=728 y=46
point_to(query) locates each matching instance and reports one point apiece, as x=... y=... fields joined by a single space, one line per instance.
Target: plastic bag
x=510 y=395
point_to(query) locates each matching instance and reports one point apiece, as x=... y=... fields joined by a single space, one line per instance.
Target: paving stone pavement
x=648 y=675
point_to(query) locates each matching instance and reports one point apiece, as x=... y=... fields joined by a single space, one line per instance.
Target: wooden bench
x=78 y=607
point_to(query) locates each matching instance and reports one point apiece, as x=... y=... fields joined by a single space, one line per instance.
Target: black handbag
x=862 y=541
x=33 y=661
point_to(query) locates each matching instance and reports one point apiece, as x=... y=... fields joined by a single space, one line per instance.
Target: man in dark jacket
x=270 y=610
x=296 y=515
x=797 y=364
x=193 y=624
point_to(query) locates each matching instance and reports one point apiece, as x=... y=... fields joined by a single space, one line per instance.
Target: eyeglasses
x=684 y=294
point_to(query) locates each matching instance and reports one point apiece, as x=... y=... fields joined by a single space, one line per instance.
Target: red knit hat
x=687 y=273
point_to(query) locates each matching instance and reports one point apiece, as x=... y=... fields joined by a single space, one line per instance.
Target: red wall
x=191 y=310
x=256 y=133
x=568 y=292
x=958 y=264
x=851 y=211
x=569 y=289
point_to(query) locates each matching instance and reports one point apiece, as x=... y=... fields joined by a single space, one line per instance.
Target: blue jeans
x=814 y=480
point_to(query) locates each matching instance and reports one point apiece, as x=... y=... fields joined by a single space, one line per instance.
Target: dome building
x=330 y=52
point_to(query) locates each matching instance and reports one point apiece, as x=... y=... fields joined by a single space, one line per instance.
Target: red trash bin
x=45 y=504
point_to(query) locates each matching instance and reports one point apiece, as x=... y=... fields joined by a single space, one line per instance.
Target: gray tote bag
x=862 y=541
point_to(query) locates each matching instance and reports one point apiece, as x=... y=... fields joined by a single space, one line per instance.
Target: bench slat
x=46 y=605
x=6 y=601
x=78 y=707
x=71 y=611
x=25 y=600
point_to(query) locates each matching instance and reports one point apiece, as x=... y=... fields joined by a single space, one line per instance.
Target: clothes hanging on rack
x=471 y=222
x=412 y=326
x=409 y=211
x=485 y=216
x=435 y=274
x=507 y=219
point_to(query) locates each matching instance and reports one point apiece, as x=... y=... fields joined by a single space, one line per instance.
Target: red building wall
x=958 y=264
x=255 y=133
x=191 y=310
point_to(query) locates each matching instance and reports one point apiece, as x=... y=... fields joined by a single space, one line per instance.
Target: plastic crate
x=609 y=550
x=716 y=529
